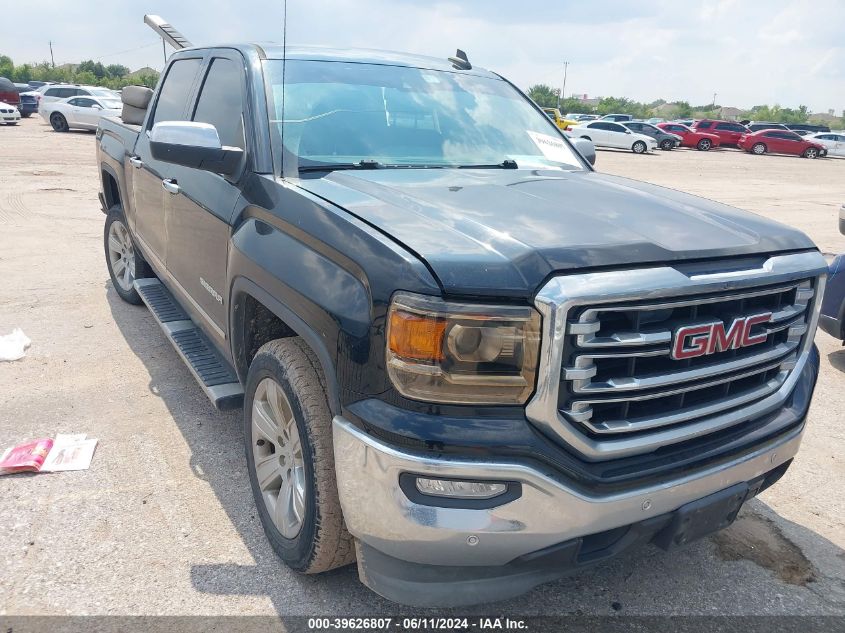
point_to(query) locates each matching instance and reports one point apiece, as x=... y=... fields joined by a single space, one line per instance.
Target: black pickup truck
x=466 y=359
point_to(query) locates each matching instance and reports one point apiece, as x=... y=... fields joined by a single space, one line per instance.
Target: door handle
x=136 y=162
x=170 y=186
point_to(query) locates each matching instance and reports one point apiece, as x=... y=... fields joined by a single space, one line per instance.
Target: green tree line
x=88 y=72
x=547 y=97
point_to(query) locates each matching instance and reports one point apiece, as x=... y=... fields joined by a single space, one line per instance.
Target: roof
x=272 y=50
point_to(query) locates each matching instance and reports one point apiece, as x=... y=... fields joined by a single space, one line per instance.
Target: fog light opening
x=460 y=489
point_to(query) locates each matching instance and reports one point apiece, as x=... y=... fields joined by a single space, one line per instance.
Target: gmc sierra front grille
x=618 y=375
x=626 y=369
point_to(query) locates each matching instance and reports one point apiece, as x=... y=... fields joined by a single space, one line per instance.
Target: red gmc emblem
x=699 y=340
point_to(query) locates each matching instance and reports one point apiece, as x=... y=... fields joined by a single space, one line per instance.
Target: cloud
x=750 y=52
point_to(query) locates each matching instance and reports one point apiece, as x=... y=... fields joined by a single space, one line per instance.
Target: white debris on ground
x=13 y=346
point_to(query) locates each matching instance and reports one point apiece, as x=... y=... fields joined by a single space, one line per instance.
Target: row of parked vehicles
x=64 y=106
x=621 y=131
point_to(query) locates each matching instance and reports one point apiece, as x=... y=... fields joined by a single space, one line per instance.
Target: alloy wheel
x=121 y=255
x=277 y=456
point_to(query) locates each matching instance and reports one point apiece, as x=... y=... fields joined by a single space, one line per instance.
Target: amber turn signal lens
x=416 y=337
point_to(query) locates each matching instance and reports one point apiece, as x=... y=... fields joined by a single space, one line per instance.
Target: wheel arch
x=251 y=304
x=111 y=187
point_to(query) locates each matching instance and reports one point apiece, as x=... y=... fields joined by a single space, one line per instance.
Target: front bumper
x=8 y=117
x=428 y=555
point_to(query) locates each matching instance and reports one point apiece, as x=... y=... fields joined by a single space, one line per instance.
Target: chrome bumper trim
x=548 y=511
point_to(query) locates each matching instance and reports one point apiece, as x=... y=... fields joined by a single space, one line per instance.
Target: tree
x=117 y=70
x=7 y=67
x=544 y=95
x=684 y=109
x=95 y=68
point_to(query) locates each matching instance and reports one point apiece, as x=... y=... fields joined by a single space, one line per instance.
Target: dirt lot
x=163 y=522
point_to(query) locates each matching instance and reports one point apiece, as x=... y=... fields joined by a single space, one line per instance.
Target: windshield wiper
x=505 y=164
x=363 y=164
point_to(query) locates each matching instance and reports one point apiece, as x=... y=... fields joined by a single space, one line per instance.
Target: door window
x=84 y=102
x=173 y=97
x=221 y=102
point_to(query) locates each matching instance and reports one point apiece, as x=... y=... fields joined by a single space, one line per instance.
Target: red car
x=9 y=94
x=691 y=138
x=781 y=142
x=729 y=132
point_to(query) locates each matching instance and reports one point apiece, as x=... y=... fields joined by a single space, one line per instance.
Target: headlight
x=461 y=353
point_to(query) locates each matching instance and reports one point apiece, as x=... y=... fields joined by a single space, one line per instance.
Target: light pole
x=562 y=94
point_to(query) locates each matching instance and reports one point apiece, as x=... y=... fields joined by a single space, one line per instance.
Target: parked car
x=610 y=134
x=462 y=354
x=833 y=143
x=655 y=120
x=617 y=117
x=832 y=317
x=702 y=141
x=582 y=117
x=560 y=121
x=57 y=92
x=9 y=114
x=82 y=113
x=9 y=94
x=688 y=122
x=665 y=140
x=756 y=126
x=35 y=85
x=29 y=99
x=729 y=132
x=807 y=127
x=781 y=142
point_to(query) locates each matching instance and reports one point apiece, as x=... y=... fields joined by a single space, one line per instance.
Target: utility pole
x=714 y=100
x=562 y=94
x=52 y=61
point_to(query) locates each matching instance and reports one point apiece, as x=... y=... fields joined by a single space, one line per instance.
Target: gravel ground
x=163 y=522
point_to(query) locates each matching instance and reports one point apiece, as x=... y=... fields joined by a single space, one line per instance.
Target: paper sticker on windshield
x=553 y=148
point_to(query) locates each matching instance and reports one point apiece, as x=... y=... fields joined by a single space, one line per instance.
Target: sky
x=748 y=52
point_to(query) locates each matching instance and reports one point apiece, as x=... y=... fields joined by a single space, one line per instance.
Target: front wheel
x=290 y=457
x=26 y=115
x=124 y=262
x=704 y=145
x=639 y=147
x=811 y=152
x=59 y=122
x=759 y=149
x=666 y=145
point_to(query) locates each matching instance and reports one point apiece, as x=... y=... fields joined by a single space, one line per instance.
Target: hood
x=502 y=232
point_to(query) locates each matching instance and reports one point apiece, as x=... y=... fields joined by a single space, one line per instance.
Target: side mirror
x=194 y=145
x=586 y=148
x=627 y=131
x=97 y=107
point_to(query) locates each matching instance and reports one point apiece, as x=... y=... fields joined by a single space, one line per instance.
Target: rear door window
x=173 y=97
x=221 y=101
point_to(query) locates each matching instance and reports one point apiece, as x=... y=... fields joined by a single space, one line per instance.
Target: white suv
x=56 y=92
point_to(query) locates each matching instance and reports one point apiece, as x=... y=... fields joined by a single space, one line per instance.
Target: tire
x=639 y=147
x=811 y=152
x=123 y=259
x=759 y=149
x=59 y=123
x=26 y=115
x=667 y=145
x=307 y=531
x=704 y=145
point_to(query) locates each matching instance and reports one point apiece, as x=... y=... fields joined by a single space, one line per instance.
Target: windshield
x=111 y=104
x=101 y=92
x=339 y=113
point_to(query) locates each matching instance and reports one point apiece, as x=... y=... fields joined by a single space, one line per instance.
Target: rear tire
x=704 y=145
x=639 y=147
x=288 y=439
x=759 y=149
x=59 y=122
x=26 y=115
x=811 y=152
x=123 y=259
